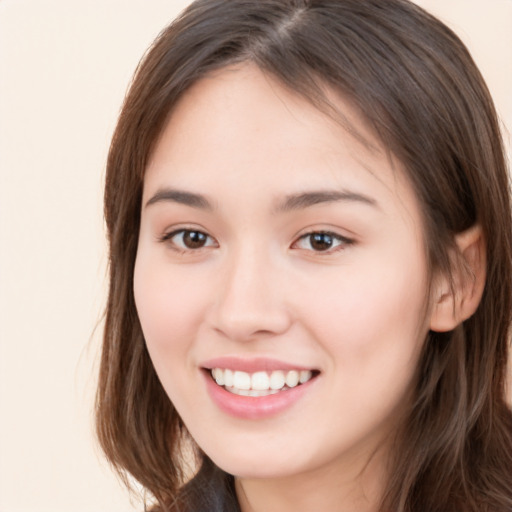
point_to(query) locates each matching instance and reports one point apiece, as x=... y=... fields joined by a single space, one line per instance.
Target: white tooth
x=228 y=378
x=305 y=375
x=277 y=380
x=242 y=380
x=243 y=392
x=260 y=381
x=218 y=375
x=292 y=378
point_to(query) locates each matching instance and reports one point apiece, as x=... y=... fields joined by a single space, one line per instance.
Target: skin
x=357 y=312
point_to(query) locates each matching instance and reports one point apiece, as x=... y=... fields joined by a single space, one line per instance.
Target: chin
x=256 y=466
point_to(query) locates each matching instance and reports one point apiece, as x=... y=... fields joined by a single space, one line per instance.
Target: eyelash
x=169 y=237
x=342 y=241
x=332 y=238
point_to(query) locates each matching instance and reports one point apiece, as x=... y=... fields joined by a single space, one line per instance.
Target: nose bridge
x=251 y=299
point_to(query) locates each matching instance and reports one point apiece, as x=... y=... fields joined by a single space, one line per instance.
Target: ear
x=457 y=299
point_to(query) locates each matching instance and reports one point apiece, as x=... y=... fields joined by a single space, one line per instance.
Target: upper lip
x=251 y=365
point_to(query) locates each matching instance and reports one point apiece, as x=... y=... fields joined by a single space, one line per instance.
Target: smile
x=260 y=383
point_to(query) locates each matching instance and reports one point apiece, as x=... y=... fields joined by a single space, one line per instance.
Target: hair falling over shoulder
x=419 y=90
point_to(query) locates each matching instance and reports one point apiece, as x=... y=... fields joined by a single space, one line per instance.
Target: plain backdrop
x=64 y=68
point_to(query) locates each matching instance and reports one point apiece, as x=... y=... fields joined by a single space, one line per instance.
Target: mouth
x=260 y=383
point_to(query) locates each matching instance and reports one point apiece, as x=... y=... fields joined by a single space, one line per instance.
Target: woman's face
x=276 y=249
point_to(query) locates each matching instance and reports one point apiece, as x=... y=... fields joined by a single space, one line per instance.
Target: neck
x=347 y=487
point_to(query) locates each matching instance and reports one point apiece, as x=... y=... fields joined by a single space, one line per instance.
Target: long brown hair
x=418 y=88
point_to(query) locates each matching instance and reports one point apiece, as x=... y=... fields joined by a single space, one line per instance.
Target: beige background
x=64 y=68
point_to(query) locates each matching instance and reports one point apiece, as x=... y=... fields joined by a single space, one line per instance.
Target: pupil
x=321 y=241
x=194 y=239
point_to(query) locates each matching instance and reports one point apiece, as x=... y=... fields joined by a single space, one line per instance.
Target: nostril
x=251 y=303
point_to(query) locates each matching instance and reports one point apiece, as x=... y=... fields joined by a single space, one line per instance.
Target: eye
x=189 y=239
x=321 y=241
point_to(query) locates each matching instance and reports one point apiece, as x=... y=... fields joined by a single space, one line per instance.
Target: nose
x=251 y=302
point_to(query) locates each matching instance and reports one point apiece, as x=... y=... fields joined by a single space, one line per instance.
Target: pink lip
x=254 y=408
x=251 y=365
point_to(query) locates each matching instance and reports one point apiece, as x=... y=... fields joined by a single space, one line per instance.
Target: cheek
x=372 y=323
x=169 y=307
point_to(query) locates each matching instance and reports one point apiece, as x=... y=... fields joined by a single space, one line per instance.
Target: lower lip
x=258 y=407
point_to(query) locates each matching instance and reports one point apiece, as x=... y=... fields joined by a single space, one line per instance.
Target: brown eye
x=194 y=239
x=319 y=241
x=189 y=239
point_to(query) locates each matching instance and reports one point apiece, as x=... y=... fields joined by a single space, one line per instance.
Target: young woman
x=308 y=213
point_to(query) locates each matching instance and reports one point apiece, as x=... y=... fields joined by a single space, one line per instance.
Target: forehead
x=224 y=99
x=239 y=126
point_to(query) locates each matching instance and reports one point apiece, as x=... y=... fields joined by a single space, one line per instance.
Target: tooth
x=260 y=381
x=218 y=375
x=292 y=378
x=242 y=380
x=243 y=392
x=277 y=380
x=228 y=378
x=305 y=375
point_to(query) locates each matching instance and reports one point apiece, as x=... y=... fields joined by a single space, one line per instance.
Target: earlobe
x=457 y=299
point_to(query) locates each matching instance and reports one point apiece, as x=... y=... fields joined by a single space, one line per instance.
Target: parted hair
x=417 y=87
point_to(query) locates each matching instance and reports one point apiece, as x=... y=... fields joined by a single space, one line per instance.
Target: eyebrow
x=308 y=199
x=182 y=197
x=292 y=202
